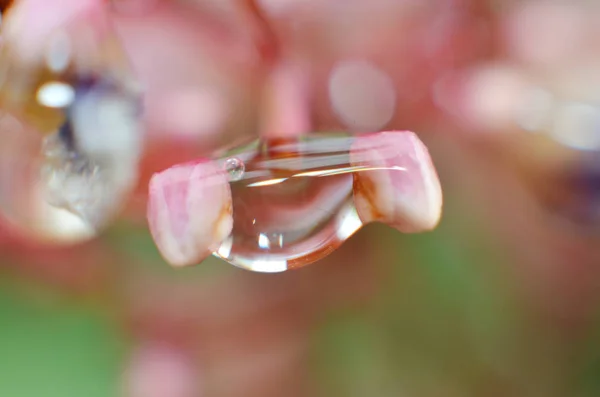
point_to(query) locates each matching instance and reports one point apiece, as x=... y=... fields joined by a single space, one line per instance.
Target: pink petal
x=160 y=371
x=189 y=211
x=405 y=193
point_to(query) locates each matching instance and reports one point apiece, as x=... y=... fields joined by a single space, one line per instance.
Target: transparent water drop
x=70 y=137
x=235 y=168
x=297 y=200
x=293 y=204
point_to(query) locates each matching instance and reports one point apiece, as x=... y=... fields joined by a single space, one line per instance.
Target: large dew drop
x=293 y=204
x=276 y=204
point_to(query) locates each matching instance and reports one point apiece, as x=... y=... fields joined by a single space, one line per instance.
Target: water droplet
x=70 y=140
x=235 y=168
x=293 y=204
x=297 y=200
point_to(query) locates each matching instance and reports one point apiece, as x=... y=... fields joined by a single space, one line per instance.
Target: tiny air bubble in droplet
x=235 y=168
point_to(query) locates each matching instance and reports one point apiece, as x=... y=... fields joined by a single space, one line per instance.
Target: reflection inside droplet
x=263 y=241
x=293 y=202
x=235 y=168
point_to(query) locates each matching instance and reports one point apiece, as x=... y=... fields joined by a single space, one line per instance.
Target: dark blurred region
x=4 y=4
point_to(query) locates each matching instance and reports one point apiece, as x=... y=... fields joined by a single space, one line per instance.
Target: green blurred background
x=449 y=317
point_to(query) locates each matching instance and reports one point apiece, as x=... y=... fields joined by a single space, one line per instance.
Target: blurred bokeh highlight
x=502 y=299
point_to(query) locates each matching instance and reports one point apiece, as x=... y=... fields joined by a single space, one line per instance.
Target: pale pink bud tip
x=401 y=187
x=189 y=211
